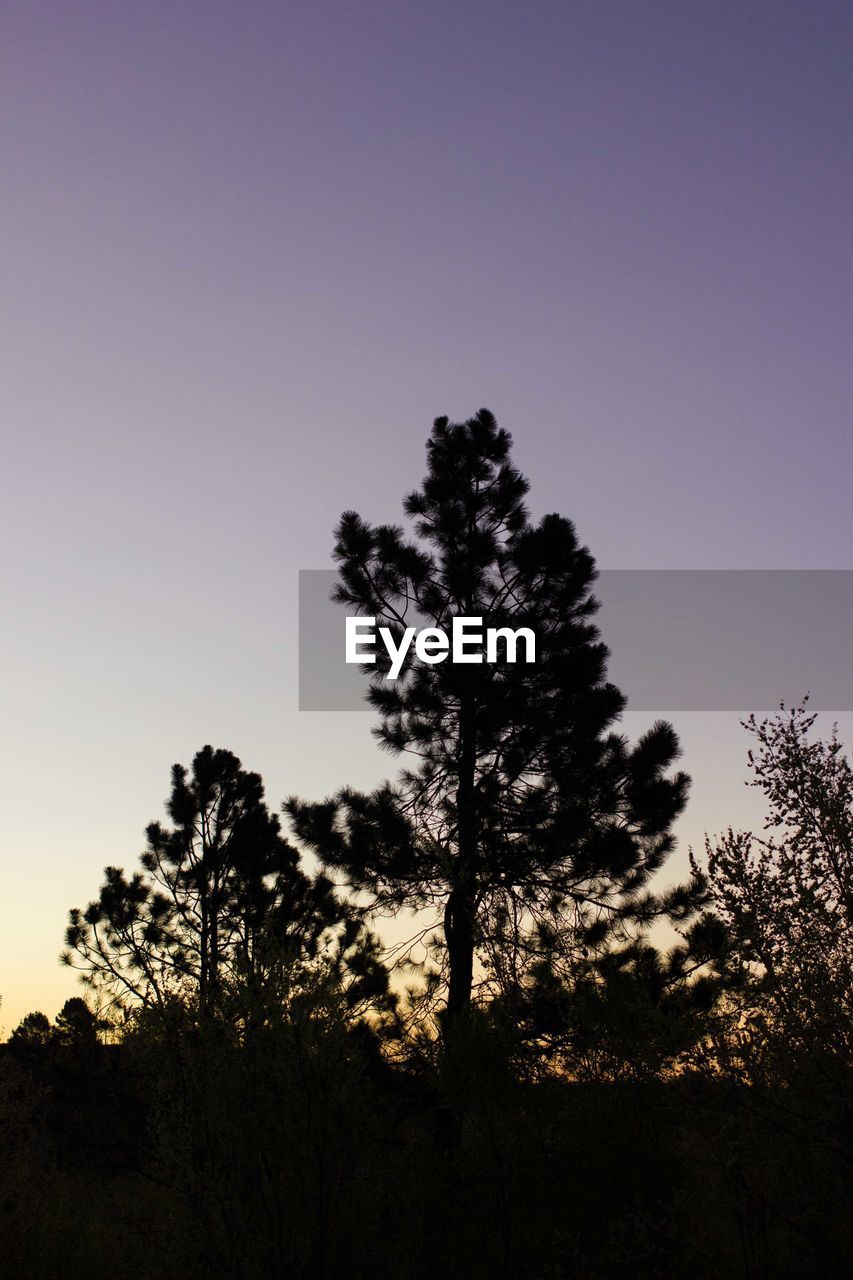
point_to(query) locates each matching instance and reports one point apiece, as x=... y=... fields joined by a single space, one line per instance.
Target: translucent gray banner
x=680 y=639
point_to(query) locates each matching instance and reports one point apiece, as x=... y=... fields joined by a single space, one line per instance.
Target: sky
x=249 y=251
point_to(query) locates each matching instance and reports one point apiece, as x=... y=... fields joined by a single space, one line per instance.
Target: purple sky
x=250 y=251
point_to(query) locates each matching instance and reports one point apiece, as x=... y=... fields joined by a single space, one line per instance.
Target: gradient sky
x=251 y=250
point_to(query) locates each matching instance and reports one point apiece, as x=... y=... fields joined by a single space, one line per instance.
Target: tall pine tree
x=521 y=792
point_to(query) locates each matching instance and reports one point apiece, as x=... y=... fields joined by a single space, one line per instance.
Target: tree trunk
x=459 y=935
x=460 y=909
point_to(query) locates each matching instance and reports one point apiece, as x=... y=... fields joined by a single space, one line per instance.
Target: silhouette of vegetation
x=523 y=801
x=240 y=1094
x=782 y=1039
x=219 y=911
x=630 y=1011
x=33 y=1033
x=786 y=899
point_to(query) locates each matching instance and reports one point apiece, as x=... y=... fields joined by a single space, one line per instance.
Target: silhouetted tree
x=33 y=1032
x=76 y=1025
x=785 y=1029
x=219 y=908
x=787 y=901
x=522 y=795
x=620 y=1009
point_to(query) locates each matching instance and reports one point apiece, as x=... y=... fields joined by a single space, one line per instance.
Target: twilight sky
x=248 y=251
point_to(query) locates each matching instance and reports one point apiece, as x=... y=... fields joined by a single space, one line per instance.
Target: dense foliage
x=523 y=800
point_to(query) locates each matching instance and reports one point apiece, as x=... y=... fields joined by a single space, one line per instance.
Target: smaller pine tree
x=220 y=914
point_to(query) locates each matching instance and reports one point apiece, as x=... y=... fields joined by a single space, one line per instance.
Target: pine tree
x=522 y=795
x=33 y=1033
x=76 y=1024
x=219 y=905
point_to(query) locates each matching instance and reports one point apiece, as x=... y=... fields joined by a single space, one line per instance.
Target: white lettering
x=431 y=645
x=397 y=655
x=460 y=639
x=511 y=637
x=354 y=639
